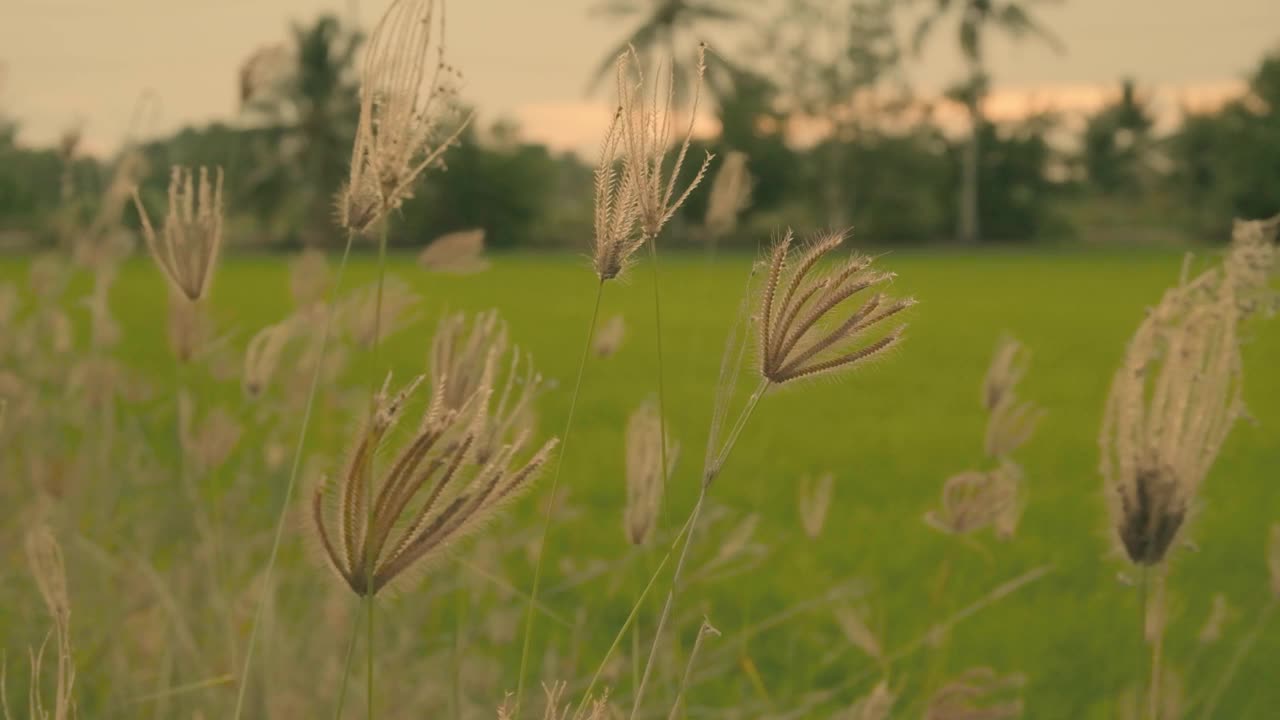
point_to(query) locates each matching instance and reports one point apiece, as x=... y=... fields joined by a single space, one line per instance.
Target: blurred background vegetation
x=882 y=159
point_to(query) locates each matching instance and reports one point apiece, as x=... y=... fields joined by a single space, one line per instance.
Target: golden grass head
x=432 y=494
x=1170 y=407
x=406 y=100
x=803 y=332
x=188 y=245
x=646 y=478
x=648 y=130
x=875 y=705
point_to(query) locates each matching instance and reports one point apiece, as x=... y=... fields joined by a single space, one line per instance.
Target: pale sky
x=69 y=62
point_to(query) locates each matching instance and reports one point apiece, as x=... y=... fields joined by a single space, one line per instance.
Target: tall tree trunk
x=969 y=230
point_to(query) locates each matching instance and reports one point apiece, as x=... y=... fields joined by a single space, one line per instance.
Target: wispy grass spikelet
x=263 y=355
x=977 y=693
x=617 y=202
x=456 y=252
x=729 y=195
x=188 y=245
x=610 y=336
x=802 y=330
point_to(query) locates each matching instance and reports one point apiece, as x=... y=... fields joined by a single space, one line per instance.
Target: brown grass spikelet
x=975 y=500
x=431 y=495
x=610 y=336
x=616 y=211
x=458 y=252
x=262 y=356
x=188 y=245
x=646 y=478
x=978 y=693
x=648 y=129
x=798 y=335
x=404 y=105
x=1220 y=613
x=856 y=630
x=208 y=440
x=1171 y=404
x=814 y=501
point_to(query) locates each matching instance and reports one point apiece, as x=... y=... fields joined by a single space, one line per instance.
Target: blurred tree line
x=822 y=110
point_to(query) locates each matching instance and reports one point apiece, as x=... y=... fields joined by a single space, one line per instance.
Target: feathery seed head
x=617 y=202
x=433 y=493
x=1007 y=369
x=404 y=107
x=263 y=355
x=1171 y=405
x=456 y=252
x=648 y=129
x=188 y=245
x=646 y=478
x=801 y=332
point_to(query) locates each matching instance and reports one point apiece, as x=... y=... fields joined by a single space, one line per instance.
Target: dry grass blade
x=799 y=337
x=877 y=705
x=858 y=632
x=188 y=245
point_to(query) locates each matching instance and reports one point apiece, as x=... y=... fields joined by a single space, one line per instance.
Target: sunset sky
x=69 y=62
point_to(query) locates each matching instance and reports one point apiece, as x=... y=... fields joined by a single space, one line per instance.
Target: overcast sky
x=68 y=62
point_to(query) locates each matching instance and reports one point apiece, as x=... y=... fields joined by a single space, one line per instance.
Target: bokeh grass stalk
x=551 y=503
x=294 y=469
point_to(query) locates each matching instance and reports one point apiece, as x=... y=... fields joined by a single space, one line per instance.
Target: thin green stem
x=662 y=394
x=1143 y=579
x=1157 y=646
x=631 y=618
x=1237 y=658
x=709 y=474
x=293 y=479
x=369 y=561
x=346 y=665
x=551 y=505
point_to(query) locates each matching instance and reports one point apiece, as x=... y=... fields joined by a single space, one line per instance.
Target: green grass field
x=890 y=432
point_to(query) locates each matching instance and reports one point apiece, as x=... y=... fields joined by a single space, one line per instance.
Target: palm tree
x=655 y=37
x=312 y=109
x=975 y=18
